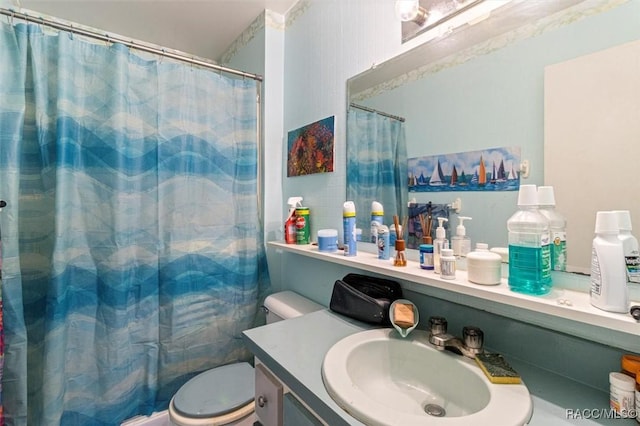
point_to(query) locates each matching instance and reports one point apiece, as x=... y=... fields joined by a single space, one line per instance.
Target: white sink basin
x=381 y=378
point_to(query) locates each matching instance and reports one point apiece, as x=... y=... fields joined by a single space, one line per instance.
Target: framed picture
x=310 y=148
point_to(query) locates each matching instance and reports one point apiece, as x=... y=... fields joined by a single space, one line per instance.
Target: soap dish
x=404 y=332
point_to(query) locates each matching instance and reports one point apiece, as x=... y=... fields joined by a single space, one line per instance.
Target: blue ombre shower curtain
x=376 y=165
x=132 y=247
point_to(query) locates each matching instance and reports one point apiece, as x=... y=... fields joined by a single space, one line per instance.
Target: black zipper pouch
x=365 y=298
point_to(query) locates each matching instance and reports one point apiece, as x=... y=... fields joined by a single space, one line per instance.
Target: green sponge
x=497 y=369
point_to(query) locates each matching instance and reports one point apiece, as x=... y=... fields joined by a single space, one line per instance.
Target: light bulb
x=407 y=10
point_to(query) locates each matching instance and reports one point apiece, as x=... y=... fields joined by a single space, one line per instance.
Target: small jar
x=328 y=240
x=426 y=256
x=447 y=264
x=484 y=267
x=622 y=395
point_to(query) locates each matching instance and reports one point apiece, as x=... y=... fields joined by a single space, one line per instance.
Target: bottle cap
x=377 y=209
x=527 y=195
x=630 y=363
x=482 y=246
x=349 y=209
x=546 y=196
x=622 y=381
x=606 y=223
x=447 y=252
x=624 y=219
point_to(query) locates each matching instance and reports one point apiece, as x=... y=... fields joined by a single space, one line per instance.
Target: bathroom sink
x=381 y=378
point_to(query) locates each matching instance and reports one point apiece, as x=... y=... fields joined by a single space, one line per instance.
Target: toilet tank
x=287 y=304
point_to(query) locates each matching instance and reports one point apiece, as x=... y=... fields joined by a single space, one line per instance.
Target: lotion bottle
x=609 y=290
x=461 y=243
x=439 y=243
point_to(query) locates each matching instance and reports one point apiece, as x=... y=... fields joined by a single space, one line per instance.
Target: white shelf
x=563 y=309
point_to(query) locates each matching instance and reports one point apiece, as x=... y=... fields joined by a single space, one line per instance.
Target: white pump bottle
x=461 y=243
x=439 y=243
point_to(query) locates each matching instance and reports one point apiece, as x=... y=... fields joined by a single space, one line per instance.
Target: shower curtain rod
x=364 y=108
x=29 y=16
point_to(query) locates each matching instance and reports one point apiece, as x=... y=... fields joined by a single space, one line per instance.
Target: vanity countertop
x=294 y=350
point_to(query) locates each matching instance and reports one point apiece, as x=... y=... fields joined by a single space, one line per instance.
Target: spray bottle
x=349 y=228
x=377 y=216
x=290 y=223
x=461 y=243
x=439 y=243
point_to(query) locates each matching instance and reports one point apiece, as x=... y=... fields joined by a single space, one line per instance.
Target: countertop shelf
x=564 y=309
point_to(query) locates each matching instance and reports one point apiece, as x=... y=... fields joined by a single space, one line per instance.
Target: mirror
x=483 y=86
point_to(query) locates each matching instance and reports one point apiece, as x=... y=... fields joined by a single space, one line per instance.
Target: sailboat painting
x=493 y=169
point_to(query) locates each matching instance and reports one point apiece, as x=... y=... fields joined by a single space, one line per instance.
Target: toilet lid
x=215 y=392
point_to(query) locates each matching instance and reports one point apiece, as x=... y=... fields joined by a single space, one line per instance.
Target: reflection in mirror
x=376 y=165
x=441 y=16
x=483 y=87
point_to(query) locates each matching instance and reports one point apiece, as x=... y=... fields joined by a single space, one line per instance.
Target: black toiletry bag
x=365 y=298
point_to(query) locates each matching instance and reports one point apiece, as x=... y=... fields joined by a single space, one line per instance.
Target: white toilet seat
x=219 y=396
x=224 y=419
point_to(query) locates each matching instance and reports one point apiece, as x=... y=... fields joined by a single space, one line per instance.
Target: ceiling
x=204 y=28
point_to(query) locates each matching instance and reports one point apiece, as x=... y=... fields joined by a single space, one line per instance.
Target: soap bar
x=497 y=369
x=403 y=315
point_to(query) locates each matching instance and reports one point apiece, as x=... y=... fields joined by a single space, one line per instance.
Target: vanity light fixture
x=441 y=17
x=411 y=11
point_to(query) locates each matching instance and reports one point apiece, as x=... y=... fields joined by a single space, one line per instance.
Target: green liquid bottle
x=529 y=249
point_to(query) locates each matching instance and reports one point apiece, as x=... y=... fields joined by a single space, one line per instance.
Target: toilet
x=224 y=395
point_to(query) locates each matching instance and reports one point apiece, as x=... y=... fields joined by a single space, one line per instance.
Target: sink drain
x=434 y=410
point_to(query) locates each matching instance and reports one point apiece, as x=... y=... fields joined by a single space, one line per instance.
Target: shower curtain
x=376 y=166
x=132 y=246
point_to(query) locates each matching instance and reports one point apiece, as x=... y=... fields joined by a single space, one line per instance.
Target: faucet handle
x=472 y=337
x=437 y=325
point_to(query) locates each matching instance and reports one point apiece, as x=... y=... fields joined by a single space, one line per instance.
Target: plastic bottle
x=461 y=243
x=426 y=256
x=377 y=215
x=447 y=264
x=622 y=394
x=557 y=228
x=349 y=228
x=629 y=245
x=439 y=243
x=529 y=251
x=290 y=223
x=609 y=290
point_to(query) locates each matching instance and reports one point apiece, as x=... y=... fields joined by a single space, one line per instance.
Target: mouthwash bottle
x=557 y=228
x=529 y=251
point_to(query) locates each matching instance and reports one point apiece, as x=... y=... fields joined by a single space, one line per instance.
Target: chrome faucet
x=469 y=346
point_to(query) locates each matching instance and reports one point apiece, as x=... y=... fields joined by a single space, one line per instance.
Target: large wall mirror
x=483 y=86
